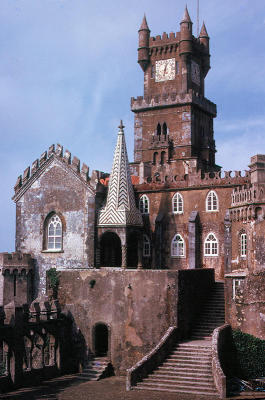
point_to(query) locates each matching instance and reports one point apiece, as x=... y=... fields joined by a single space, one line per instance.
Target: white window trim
x=184 y=247
x=146 y=240
x=237 y=282
x=175 y=198
x=206 y=202
x=145 y=199
x=243 y=245
x=211 y=247
x=53 y=249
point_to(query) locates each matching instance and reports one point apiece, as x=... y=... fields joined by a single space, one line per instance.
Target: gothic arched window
x=155 y=157
x=243 y=244
x=54 y=233
x=144 y=204
x=211 y=245
x=212 y=201
x=177 y=204
x=164 y=129
x=178 y=246
x=158 y=129
x=146 y=246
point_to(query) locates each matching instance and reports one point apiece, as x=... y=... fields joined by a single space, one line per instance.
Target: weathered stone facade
x=136 y=253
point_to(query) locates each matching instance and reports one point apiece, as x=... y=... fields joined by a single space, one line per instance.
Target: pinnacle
x=186 y=16
x=121 y=126
x=144 y=24
x=203 y=32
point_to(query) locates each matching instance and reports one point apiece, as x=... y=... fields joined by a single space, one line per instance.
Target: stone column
x=124 y=256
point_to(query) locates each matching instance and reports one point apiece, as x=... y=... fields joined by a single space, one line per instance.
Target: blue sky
x=69 y=67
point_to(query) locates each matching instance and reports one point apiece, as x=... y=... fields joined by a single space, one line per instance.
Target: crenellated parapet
x=159 y=180
x=141 y=103
x=18 y=263
x=39 y=164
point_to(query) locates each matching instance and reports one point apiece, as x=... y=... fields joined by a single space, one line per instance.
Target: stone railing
x=219 y=339
x=153 y=359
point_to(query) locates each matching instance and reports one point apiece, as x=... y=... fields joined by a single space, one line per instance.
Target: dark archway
x=132 y=250
x=110 y=250
x=101 y=340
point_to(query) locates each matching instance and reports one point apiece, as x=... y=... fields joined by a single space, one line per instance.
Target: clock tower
x=173 y=119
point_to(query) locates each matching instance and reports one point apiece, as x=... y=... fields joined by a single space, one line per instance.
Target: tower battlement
x=18 y=261
x=37 y=166
x=141 y=103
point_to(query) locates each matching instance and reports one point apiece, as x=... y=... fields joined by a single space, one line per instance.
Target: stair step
x=176 y=391
x=188 y=374
x=179 y=387
x=181 y=378
x=180 y=382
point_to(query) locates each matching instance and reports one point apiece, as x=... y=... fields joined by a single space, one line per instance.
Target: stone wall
x=57 y=189
x=247 y=310
x=138 y=306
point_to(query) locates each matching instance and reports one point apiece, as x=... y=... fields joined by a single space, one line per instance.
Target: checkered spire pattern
x=120 y=208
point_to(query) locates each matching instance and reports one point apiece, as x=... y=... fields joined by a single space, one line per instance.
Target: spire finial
x=186 y=16
x=144 y=24
x=203 y=32
x=121 y=126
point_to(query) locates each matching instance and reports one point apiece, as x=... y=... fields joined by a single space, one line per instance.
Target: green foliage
x=53 y=277
x=250 y=355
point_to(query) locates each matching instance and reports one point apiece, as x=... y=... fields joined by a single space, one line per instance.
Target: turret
x=185 y=34
x=204 y=39
x=143 y=50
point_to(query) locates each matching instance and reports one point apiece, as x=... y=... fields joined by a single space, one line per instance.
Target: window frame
x=177 y=199
x=55 y=236
x=212 y=195
x=211 y=248
x=243 y=245
x=144 y=205
x=236 y=283
x=175 y=249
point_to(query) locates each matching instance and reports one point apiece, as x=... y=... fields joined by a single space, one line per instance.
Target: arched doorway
x=132 y=250
x=101 y=337
x=110 y=250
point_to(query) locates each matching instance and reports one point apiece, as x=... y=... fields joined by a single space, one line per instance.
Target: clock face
x=165 y=70
x=195 y=73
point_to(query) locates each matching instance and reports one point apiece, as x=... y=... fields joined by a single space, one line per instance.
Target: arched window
x=155 y=157
x=144 y=204
x=146 y=246
x=158 y=129
x=211 y=245
x=178 y=246
x=164 y=129
x=163 y=156
x=177 y=204
x=54 y=233
x=212 y=201
x=243 y=244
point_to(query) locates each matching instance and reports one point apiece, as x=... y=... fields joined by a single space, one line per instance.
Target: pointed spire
x=186 y=16
x=144 y=25
x=120 y=209
x=204 y=32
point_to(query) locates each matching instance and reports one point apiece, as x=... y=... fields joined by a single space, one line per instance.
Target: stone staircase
x=95 y=369
x=188 y=368
x=212 y=314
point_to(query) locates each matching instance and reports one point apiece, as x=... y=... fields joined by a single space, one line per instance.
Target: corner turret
x=186 y=33
x=204 y=39
x=143 y=49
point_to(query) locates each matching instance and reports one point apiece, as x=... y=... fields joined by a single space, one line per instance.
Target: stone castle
x=143 y=250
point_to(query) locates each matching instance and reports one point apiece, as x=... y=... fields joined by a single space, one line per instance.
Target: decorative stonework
x=120 y=207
